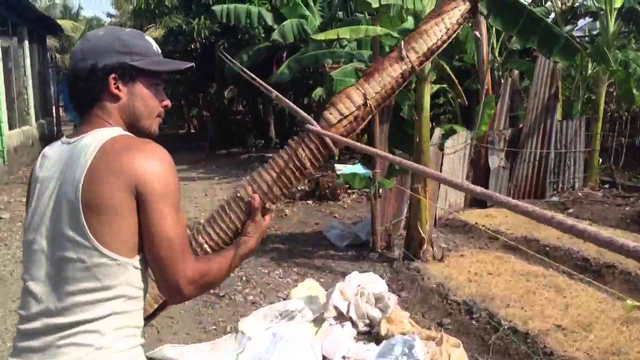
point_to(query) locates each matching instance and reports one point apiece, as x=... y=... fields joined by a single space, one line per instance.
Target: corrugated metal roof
x=26 y=13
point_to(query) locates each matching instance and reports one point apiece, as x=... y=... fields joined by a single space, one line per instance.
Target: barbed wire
x=568 y=178
x=467 y=144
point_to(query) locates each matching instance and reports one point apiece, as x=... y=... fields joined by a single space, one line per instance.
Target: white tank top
x=79 y=300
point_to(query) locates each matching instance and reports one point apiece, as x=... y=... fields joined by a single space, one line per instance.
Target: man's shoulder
x=138 y=155
x=135 y=148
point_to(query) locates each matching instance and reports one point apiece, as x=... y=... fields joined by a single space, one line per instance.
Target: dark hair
x=87 y=86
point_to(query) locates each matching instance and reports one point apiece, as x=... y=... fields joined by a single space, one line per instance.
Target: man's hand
x=255 y=228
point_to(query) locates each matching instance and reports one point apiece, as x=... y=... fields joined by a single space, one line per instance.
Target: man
x=103 y=205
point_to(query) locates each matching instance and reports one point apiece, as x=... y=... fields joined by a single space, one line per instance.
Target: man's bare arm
x=180 y=275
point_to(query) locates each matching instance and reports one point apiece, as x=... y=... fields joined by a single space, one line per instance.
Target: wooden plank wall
x=498 y=139
x=455 y=162
x=567 y=160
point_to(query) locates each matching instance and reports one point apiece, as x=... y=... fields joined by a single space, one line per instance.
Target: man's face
x=144 y=105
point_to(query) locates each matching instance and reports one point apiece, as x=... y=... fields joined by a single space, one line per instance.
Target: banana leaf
x=353 y=33
x=249 y=57
x=488 y=109
x=530 y=29
x=291 y=31
x=626 y=89
x=243 y=15
x=71 y=28
x=346 y=76
x=305 y=10
x=451 y=81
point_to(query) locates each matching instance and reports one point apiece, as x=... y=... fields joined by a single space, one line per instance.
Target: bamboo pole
x=589 y=234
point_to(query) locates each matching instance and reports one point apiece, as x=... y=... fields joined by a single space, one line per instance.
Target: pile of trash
x=357 y=319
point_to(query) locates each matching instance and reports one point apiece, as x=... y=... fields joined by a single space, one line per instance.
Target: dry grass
x=573 y=319
x=507 y=222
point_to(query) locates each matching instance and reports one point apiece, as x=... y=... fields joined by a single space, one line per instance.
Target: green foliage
x=360 y=181
x=451 y=80
x=71 y=28
x=303 y=9
x=291 y=31
x=530 y=28
x=632 y=305
x=346 y=76
x=292 y=42
x=421 y=7
x=74 y=24
x=448 y=130
x=487 y=110
x=316 y=59
x=243 y=15
x=626 y=88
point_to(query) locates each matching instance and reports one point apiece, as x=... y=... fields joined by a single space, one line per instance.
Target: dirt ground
x=567 y=315
x=608 y=207
x=296 y=249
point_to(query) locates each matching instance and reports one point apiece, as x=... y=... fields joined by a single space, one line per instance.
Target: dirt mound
x=515 y=225
x=571 y=318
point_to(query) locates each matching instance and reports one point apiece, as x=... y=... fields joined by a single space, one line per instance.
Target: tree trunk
x=480 y=164
x=418 y=242
x=377 y=243
x=482 y=56
x=267 y=110
x=596 y=133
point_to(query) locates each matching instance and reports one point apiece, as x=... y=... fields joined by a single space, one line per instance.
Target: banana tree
x=614 y=64
x=382 y=25
x=286 y=44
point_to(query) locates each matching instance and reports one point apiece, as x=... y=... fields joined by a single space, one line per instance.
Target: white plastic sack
x=288 y=341
x=295 y=311
x=363 y=299
x=402 y=347
x=269 y=333
x=226 y=348
x=342 y=234
x=339 y=343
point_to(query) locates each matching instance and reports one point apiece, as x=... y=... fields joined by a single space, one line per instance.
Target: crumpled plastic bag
x=225 y=348
x=286 y=330
x=280 y=331
x=358 y=168
x=402 y=347
x=364 y=299
x=342 y=234
x=288 y=341
x=440 y=346
x=339 y=343
x=294 y=311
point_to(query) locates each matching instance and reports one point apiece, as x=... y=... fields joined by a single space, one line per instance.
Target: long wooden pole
x=589 y=234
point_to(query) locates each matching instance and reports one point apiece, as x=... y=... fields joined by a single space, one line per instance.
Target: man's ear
x=115 y=87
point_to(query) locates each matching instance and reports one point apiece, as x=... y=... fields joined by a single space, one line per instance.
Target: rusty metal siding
x=531 y=166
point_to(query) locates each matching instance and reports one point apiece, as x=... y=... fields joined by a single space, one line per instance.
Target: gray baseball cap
x=111 y=45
